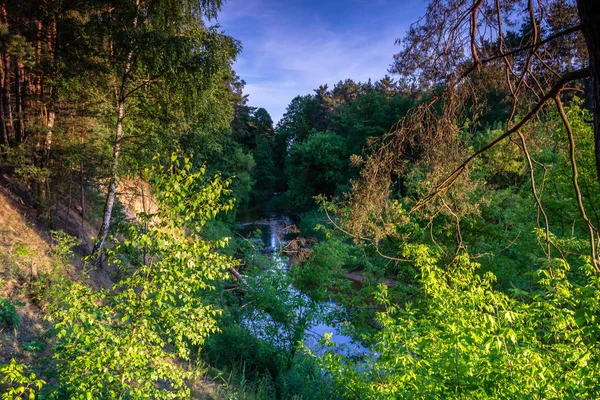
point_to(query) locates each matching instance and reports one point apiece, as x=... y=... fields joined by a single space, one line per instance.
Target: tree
x=253 y=129
x=300 y=117
x=263 y=122
x=154 y=42
x=264 y=174
x=589 y=12
x=462 y=50
x=316 y=166
x=369 y=116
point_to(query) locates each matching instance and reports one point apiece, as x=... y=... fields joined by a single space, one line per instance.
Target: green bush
x=262 y=370
x=326 y=261
x=236 y=349
x=9 y=317
x=311 y=222
x=466 y=339
x=16 y=384
x=121 y=343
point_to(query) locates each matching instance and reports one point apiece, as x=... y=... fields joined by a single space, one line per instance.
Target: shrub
x=16 y=384
x=8 y=314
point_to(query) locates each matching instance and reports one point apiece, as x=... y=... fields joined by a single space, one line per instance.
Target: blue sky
x=291 y=47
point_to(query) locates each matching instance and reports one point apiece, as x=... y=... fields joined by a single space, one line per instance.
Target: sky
x=291 y=47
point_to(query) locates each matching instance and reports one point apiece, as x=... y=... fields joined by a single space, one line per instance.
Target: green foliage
x=305 y=380
x=31 y=173
x=368 y=116
x=325 y=263
x=46 y=288
x=17 y=384
x=23 y=251
x=319 y=133
x=263 y=366
x=264 y=173
x=62 y=250
x=482 y=292
x=124 y=342
x=515 y=323
x=312 y=223
x=316 y=166
x=252 y=129
x=299 y=120
x=262 y=332
x=223 y=155
x=9 y=317
x=467 y=340
x=25 y=170
x=235 y=345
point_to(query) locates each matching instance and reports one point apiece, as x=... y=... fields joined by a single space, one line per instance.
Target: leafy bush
x=8 y=314
x=62 y=251
x=17 y=384
x=264 y=369
x=236 y=349
x=464 y=339
x=123 y=342
x=326 y=261
x=310 y=224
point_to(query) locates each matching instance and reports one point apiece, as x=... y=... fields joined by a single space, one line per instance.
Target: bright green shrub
x=325 y=262
x=463 y=339
x=16 y=384
x=123 y=343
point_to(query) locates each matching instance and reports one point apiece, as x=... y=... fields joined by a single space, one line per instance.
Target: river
x=319 y=318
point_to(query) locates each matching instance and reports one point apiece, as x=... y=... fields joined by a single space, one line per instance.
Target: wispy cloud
x=290 y=48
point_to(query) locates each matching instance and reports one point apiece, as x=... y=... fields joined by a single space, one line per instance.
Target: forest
x=433 y=234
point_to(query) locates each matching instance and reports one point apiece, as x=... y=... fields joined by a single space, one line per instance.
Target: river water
x=320 y=318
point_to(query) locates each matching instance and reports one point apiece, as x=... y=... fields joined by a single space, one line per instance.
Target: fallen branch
x=237 y=275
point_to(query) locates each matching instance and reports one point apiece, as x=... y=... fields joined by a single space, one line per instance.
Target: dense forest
x=431 y=234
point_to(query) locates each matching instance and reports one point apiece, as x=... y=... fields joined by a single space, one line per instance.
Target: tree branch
x=572 y=158
x=449 y=181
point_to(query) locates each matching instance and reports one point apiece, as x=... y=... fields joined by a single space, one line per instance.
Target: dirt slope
x=24 y=251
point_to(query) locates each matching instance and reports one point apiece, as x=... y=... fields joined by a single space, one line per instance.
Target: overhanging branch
x=551 y=94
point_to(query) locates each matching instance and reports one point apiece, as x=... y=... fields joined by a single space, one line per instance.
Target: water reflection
x=316 y=318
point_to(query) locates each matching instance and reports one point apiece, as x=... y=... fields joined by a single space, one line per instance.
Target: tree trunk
x=52 y=93
x=7 y=123
x=5 y=138
x=8 y=119
x=589 y=14
x=38 y=60
x=19 y=126
x=81 y=178
x=48 y=143
x=112 y=187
